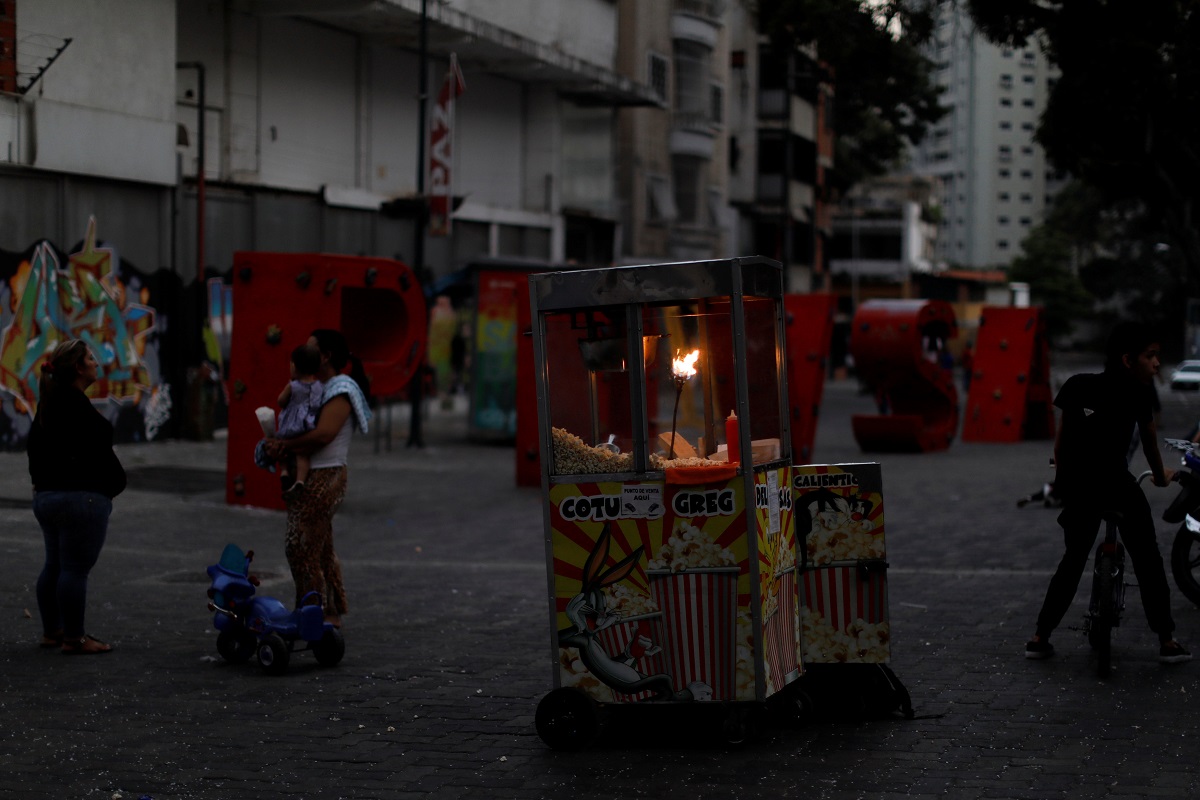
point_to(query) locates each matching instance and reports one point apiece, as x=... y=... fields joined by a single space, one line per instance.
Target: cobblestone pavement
x=448 y=651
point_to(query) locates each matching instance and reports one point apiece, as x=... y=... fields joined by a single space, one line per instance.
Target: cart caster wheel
x=803 y=706
x=273 y=655
x=739 y=726
x=329 y=649
x=567 y=719
x=236 y=646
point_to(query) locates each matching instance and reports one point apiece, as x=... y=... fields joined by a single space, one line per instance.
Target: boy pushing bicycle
x=1099 y=412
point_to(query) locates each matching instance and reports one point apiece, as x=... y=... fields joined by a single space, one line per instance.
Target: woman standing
x=309 y=544
x=75 y=477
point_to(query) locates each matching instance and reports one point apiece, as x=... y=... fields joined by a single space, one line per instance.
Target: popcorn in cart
x=667 y=479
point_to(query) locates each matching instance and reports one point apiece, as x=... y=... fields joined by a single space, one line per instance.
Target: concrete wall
x=106 y=106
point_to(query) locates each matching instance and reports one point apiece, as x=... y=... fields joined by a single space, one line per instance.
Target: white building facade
x=996 y=184
x=310 y=117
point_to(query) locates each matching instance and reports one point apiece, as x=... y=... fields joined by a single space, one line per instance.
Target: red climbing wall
x=278 y=299
x=897 y=347
x=1010 y=397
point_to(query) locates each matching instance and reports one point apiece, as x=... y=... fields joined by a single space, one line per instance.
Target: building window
x=1026 y=174
x=1004 y=173
x=716 y=208
x=692 y=70
x=1027 y=126
x=660 y=201
x=656 y=66
x=687 y=174
x=1006 y=101
x=1002 y=220
x=1003 y=197
x=1028 y=78
x=1006 y=126
x=716 y=104
x=1026 y=221
x=1006 y=81
x=1027 y=102
x=1026 y=197
x=1026 y=151
x=1002 y=244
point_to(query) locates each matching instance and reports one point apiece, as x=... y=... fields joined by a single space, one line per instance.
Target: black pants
x=1080 y=520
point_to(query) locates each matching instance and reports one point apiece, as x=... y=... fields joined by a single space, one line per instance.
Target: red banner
x=441 y=141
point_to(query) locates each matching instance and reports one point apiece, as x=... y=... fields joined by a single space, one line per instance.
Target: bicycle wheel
x=1100 y=630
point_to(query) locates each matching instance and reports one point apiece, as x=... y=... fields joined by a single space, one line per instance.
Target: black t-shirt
x=1099 y=412
x=72 y=450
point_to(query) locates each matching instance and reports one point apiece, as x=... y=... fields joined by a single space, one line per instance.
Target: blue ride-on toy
x=250 y=624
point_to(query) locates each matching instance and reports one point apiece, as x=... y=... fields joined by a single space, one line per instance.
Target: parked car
x=1186 y=377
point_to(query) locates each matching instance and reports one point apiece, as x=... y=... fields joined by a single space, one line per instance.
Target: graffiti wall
x=48 y=296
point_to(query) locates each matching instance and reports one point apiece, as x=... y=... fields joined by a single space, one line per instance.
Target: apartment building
x=732 y=161
x=995 y=181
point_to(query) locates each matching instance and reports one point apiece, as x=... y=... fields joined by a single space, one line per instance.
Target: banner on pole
x=441 y=140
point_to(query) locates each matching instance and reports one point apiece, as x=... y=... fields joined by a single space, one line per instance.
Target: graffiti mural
x=47 y=297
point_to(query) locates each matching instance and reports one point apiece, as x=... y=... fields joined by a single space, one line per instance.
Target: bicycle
x=1108 y=592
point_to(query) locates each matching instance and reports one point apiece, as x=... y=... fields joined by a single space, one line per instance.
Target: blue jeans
x=74 y=525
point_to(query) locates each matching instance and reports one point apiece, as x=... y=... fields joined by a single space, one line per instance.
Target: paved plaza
x=448 y=650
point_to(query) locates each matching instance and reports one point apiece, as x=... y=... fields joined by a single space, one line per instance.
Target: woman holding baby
x=310 y=510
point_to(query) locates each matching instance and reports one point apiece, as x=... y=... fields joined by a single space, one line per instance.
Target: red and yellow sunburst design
x=573 y=540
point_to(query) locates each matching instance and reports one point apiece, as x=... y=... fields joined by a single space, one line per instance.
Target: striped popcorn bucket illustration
x=846 y=617
x=780 y=631
x=699 y=608
x=627 y=634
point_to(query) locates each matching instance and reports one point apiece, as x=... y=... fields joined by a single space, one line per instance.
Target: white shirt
x=334 y=454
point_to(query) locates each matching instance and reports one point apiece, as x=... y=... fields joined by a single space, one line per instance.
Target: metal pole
x=200 y=103
x=417 y=387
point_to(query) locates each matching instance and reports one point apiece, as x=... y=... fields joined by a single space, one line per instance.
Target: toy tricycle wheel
x=236 y=646
x=566 y=719
x=329 y=649
x=273 y=654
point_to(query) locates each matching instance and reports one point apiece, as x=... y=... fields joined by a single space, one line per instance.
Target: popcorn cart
x=667 y=476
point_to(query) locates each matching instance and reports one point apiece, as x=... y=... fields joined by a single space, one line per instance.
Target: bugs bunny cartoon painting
x=589 y=614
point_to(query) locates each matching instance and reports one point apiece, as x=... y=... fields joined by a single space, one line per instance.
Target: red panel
x=809 y=329
x=279 y=298
x=1010 y=398
x=897 y=347
x=529 y=462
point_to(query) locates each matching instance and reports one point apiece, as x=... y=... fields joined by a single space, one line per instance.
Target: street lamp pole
x=417 y=387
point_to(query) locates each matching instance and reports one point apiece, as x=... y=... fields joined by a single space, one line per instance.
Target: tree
x=1094 y=259
x=885 y=97
x=1125 y=114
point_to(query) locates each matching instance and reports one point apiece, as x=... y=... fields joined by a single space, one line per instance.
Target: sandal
x=85 y=646
x=51 y=640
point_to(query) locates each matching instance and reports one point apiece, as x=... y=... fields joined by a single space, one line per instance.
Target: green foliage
x=1046 y=266
x=885 y=96
x=1096 y=259
x=1125 y=115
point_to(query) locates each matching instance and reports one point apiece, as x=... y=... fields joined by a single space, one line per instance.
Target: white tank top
x=334 y=454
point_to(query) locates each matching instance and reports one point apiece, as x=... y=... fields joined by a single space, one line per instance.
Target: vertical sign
x=441 y=138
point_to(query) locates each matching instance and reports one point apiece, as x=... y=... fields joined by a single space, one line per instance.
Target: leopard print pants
x=309 y=544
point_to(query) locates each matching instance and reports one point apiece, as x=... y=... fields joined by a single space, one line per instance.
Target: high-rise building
x=996 y=184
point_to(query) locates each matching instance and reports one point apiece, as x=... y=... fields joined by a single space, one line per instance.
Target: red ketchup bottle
x=733 y=438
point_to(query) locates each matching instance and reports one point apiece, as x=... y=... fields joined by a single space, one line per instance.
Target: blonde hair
x=59 y=371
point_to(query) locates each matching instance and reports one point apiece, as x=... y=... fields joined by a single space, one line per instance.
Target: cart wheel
x=567 y=719
x=739 y=725
x=236 y=646
x=329 y=649
x=273 y=655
